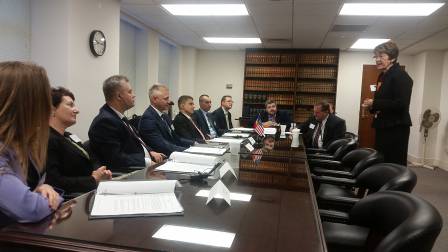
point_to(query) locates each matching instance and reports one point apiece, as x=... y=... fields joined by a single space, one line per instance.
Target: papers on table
x=270 y=131
x=231 y=134
x=207 y=150
x=136 y=198
x=189 y=163
x=226 y=140
x=242 y=129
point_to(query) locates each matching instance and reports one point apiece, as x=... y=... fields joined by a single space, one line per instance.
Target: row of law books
x=264 y=85
x=282 y=99
x=272 y=179
x=317 y=72
x=269 y=58
x=313 y=99
x=317 y=59
x=285 y=72
x=316 y=87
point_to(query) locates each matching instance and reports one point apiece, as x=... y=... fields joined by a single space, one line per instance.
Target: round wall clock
x=97 y=43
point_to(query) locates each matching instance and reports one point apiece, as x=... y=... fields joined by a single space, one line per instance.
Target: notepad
x=240 y=135
x=207 y=150
x=135 y=198
x=242 y=129
x=189 y=163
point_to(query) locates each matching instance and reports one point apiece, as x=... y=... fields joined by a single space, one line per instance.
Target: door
x=366 y=134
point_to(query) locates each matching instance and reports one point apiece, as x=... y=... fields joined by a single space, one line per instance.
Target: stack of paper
x=206 y=150
x=226 y=140
x=242 y=129
x=136 y=198
x=236 y=135
x=189 y=163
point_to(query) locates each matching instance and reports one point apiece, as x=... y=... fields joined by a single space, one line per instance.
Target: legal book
x=189 y=163
x=135 y=198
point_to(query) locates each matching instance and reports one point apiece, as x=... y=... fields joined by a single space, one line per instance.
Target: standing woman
x=24 y=111
x=69 y=166
x=390 y=105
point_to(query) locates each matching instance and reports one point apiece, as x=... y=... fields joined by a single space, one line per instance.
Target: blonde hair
x=25 y=108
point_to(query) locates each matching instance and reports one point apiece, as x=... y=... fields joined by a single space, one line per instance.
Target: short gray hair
x=389 y=48
x=111 y=86
x=156 y=88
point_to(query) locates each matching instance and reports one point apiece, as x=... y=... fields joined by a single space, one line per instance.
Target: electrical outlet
x=229 y=85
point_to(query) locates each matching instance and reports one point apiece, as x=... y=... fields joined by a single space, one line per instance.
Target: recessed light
x=206 y=9
x=222 y=40
x=389 y=9
x=365 y=43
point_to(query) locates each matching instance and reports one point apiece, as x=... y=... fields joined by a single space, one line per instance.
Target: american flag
x=258 y=126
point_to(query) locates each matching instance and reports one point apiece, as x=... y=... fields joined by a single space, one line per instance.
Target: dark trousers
x=393 y=144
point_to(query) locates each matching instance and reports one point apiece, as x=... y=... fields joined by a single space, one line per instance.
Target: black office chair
x=387 y=221
x=338 y=194
x=338 y=154
x=329 y=151
x=351 y=165
x=350 y=135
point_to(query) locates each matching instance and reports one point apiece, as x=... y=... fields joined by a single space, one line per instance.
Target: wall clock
x=97 y=43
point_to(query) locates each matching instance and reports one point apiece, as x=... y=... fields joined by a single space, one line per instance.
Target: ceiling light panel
x=365 y=43
x=389 y=9
x=222 y=40
x=206 y=9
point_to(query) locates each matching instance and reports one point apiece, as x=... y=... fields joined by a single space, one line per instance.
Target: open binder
x=183 y=162
x=135 y=198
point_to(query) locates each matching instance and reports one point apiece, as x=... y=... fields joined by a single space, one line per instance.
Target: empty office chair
x=338 y=154
x=329 y=151
x=387 y=221
x=352 y=164
x=338 y=194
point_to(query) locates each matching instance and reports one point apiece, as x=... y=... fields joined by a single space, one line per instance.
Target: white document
x=242 y=129
x=219 y=190
x=206 y=150
x=270 y=131
x=189 y=163
x=226 y=140
x=251 y=140
x=249 y=147
x=230 y=134
x=128 y=198
x=226 y=167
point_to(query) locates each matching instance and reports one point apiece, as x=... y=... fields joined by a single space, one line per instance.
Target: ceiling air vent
x=349 y=28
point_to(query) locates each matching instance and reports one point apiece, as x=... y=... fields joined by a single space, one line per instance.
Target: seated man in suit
x=222 y=115
x=112 y=139
x=156 y=126
x=185 y=124
x=272 y=117
x=205 y=120
x=322 y=129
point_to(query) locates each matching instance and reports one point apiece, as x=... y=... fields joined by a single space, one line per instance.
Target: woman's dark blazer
x=68 y=168
x=392 y=99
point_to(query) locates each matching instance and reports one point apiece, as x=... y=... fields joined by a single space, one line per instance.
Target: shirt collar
x=117 y=112
x=225 y=111
x=158 y=112
x=185 y=114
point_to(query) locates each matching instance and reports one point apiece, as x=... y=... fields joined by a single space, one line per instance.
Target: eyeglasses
x=382 y=56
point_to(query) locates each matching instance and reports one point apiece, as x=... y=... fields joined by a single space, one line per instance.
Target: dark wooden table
x=282 y=214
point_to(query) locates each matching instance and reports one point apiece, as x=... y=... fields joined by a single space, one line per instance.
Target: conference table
x=282 y=214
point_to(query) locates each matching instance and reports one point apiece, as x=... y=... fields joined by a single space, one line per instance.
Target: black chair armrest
x=334 y=216
x=315 y=150
x=339 y=203
x=334 y=181
x=332 y=173
x=320 y=156
x=329 y=164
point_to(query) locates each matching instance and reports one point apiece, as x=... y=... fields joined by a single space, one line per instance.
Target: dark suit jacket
x=220 y=121
x=156 y=134
x=281 y=117
x=202 y=123
x=334 y=129
x=185 y=129
x=67 y=166
x=392 y=99
x=113 y=143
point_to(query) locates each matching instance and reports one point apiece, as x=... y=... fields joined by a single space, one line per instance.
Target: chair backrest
x=335 y=145
x=354 y=156
x=350 y=135
x=398 y=222
x=344 y=149
x=387 y=176
x=373 y=158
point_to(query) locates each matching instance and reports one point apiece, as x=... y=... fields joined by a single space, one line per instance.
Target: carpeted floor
x=432 y=185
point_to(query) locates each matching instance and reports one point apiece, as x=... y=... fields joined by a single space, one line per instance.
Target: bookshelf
x=295 y=78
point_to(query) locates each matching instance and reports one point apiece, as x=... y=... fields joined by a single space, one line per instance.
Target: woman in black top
x=69 y=166
x=390 y=105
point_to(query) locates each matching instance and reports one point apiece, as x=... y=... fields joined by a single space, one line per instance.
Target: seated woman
x=69 y=166
x=25 y=109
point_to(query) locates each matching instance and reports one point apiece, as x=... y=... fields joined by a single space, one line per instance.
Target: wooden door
x=366 y=133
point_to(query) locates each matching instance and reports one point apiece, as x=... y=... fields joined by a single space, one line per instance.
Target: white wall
x=15 y=30
x=215 y=69
x=128 y=60
x=62 y=48
x=442 y=139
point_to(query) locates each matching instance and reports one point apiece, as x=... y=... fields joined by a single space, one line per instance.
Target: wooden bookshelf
x=295 y=78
